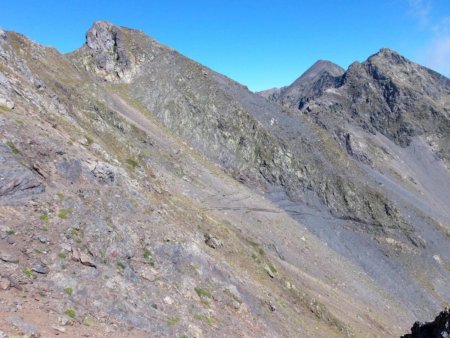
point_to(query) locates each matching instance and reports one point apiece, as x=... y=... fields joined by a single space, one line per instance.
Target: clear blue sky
x=261 y=43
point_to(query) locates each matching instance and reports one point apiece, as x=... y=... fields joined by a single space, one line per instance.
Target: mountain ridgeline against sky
x=142 y=193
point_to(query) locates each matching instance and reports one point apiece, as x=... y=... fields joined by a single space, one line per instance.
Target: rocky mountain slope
x=142 y=194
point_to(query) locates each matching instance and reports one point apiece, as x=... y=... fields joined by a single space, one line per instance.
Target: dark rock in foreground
x=438 y=328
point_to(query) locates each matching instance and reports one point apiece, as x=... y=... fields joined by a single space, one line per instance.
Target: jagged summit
x=101 y=35
x=321 y=75
x=109 y=52
x=318 y=69
x=390 y=54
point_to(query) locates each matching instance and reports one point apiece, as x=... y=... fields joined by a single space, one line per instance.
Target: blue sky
x=261 y=44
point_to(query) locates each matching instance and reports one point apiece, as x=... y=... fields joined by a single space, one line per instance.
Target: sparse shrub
x=210 y=320
x=272 y=268
x=27 y=272
x=147 y=254
x=89 y=140
x=232 y=295
x=203 y=293
x=120 y=266
x=71 y=313
x=12 y=147
x=63 y=213
x=62 y=255
x=68 y=291
x=44 y=217
x=132 y=162
x=173 y=320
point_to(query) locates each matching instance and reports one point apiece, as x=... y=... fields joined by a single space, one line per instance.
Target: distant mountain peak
x=317 y=69
x=321 y=75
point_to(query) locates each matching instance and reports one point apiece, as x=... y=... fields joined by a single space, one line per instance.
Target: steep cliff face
x=143 y=194
x=397 y=97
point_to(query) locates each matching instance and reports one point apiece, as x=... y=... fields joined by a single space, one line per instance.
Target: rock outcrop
x=438 y=328
x=108 y=53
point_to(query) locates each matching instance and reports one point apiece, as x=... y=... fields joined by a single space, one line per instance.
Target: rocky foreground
x=143 y=194
x=438 y=328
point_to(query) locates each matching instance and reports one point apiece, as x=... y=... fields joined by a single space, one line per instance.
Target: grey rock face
x=9 y=258
x=70 y=169
x=272 y=94
x=320 y=76
x=108 y=53
x=25 y=328
x=15 y=179
x=212 y=241
x=104 y=172
x=40 y=267
x=5 y=92
x=2 y=41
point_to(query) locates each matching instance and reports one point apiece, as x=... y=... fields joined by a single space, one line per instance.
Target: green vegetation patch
x=68 y=291
x=203 y=293
x=120 y=266
x=64 y=213
x=44 y=216
x=27 y=272
x=12 y=147
x=173 y=320
x=71 y=313
x=132 y=162
x=147 y=254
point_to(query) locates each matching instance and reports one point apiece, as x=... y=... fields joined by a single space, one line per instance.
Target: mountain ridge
x=168 y=191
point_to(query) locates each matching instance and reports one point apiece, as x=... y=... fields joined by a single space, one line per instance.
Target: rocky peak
x=389 y=55
x=320 y=76
x=101 y=36
x=108 y=52
x=318 y=69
